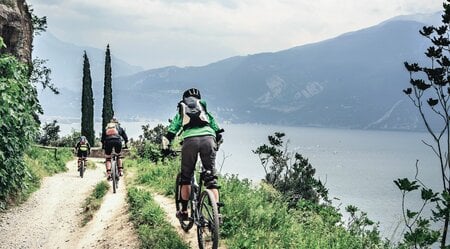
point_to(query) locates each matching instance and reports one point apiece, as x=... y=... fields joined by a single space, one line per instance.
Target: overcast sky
x=157 y=33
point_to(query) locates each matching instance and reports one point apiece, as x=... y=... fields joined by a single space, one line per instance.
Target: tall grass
x=256 y=216
x=153 y=230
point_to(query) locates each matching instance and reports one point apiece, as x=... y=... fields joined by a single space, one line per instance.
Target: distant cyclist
x=83 y=149
x=112 y=139
x=200 y=134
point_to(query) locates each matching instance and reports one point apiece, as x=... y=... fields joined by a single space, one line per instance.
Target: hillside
x=352 y=81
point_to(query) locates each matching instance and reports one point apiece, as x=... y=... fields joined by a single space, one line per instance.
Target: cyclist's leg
x=84 y=156
x=108 y=151
x=208 y=157
x=189 y=153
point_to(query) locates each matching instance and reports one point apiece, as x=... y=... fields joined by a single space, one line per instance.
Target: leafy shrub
x=148 y=150
x=293 y=175
x=49 y=134
x=18 y=125
x=148 y=145
x=154 y=135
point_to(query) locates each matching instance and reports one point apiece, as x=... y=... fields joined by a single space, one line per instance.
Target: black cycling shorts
x=113 y=143
x=82 y=153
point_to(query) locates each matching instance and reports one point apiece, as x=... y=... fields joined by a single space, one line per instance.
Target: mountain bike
x=82 y=166
x=204 y=212
x=115 y=170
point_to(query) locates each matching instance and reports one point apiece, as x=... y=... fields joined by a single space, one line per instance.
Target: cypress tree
x=87 y=103
x=107 y=111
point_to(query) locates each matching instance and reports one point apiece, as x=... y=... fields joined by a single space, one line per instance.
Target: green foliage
x=153 y=230
x=49 y=134
x=107 y=111
x=87 y=103
x=160 y=177
x=154 y=135
x=51 y=161
x=69 y=140
x=18 y=125
x=292 y=176
x=41 y=75
x=94 y=201
x=430 y=92
x=259 y=216
x=39 y=23
x=148 y=150
x=148 y=145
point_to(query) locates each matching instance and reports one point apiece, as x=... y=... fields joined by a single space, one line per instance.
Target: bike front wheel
x=114 y=175
x=82 y=168
x=208 y=227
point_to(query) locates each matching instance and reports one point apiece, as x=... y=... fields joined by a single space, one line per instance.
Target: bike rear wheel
x=208 y=227
x=187 y=224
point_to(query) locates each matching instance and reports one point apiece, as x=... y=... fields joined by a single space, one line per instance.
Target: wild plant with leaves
x=289 y=173
x=430 y=93
x=19 y=107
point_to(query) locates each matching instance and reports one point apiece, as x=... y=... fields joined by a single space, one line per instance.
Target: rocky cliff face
x=16 y=29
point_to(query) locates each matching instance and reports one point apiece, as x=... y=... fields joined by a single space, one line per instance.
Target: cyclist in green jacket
x=200 y=134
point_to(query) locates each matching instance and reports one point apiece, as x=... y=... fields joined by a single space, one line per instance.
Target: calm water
x=357 y=166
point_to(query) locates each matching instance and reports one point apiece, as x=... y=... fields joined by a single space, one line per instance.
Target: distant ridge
x=354 y=80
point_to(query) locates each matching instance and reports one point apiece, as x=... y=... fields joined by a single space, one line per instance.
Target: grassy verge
x=257 y=216
x=153 y=230
x=94 y=201
x=149 y=219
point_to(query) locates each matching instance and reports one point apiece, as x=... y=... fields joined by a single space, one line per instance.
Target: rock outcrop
x=16 y=29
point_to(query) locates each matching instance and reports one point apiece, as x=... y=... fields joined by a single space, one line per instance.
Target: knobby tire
x=208 y=231
x=82 y=168
x=114 y=175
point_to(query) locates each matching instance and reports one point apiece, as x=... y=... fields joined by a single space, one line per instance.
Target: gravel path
x=51 y=217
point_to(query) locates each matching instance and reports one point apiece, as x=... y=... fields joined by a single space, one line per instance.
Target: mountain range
x=354 y=80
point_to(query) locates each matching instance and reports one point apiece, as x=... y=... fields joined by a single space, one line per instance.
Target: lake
x=357 y=166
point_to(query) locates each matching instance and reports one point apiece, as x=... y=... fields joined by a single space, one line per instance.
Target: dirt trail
x=51 y=217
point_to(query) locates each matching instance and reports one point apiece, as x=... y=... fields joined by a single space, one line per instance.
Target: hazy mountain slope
x=354 y=81
x=66 y=62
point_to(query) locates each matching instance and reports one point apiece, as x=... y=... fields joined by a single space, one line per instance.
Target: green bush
x=18 y=125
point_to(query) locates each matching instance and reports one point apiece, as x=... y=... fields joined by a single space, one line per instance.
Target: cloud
x=196 y=32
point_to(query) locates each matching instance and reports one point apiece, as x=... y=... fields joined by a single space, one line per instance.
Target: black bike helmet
x=193 y=92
